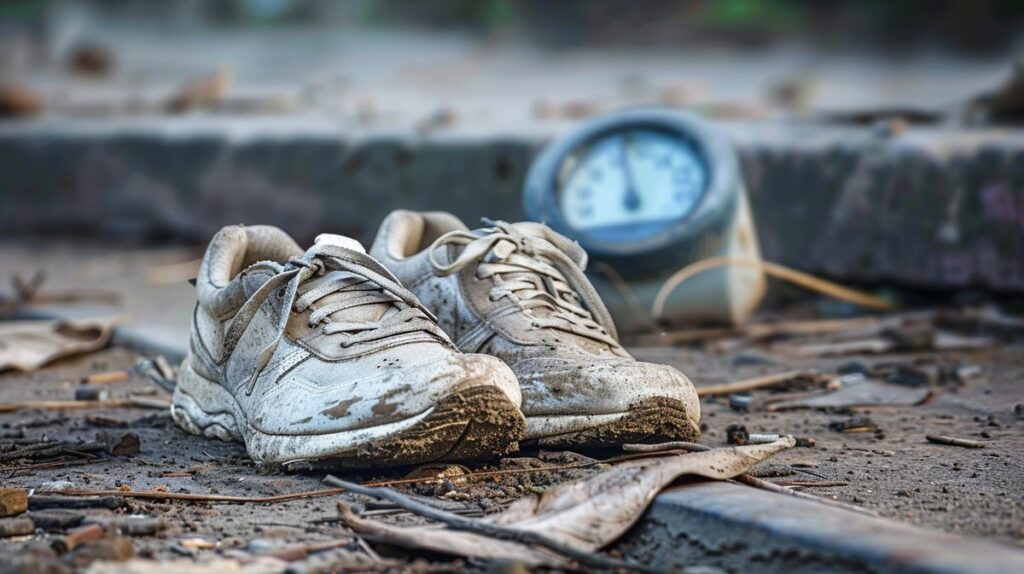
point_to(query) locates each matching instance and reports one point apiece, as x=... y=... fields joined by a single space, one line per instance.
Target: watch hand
x=631 y=201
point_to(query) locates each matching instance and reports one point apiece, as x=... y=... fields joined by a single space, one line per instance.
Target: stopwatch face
x=629 y=185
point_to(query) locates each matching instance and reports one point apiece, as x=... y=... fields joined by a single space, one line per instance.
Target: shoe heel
x=203 y=407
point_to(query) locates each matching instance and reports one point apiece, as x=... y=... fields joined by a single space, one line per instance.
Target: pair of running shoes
x=442 y=343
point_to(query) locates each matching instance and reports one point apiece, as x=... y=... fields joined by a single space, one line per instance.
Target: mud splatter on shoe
x=517 y=291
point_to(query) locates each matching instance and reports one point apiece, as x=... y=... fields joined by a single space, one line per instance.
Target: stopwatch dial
x=631 y=184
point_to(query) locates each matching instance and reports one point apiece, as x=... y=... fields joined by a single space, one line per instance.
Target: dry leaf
x=28 y=345
x=587 y=514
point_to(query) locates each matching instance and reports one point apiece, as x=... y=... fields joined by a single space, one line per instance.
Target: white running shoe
x=323 y=356
x=517 y=292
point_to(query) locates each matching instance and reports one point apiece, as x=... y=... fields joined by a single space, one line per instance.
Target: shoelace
x=536 y=269
x=366 y=275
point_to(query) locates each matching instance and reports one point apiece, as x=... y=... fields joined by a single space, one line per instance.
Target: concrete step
x=930 y=207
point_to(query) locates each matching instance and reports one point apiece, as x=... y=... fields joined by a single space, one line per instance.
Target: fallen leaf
x=28 y=345
x=587 y=514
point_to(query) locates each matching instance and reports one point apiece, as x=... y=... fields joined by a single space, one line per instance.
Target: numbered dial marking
x=631 y=184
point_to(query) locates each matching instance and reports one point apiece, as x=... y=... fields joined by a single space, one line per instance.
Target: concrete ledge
x=743 y=529
x=929 y=207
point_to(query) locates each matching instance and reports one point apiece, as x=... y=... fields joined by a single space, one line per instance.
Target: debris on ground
x=29 y=292
x=863 y=393
x=571 y=520
x=28 y=345
x=184 y=488
x=17 y=100
x=854 y=424
x=202 y=91
x=90 y=58
x=967 y=443
x=13 y=501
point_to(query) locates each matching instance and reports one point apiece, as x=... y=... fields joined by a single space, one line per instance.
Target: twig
x=752 y=384
x=151 y=495
x=70 y=405
x=817 y=483
x=493 y=530
x=53 y=464
x=366 y=548
x=156 y=371
x=294 y=552
x=105 y=378
x=964 y=442
x=665 y=446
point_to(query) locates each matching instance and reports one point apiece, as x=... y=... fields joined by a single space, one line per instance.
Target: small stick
x=70 y=405
x=817 y=483
x=752 y=384
x=294 y=552
x=161 y=364
x=157 y=373
x=195 y=497
x=78 y=536
x=491 y=529
x=44 y=501
x=105 y=378
x=19 y=526
x=54 y=464
x=964 y=442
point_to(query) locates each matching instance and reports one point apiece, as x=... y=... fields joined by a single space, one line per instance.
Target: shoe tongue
x=339 y=241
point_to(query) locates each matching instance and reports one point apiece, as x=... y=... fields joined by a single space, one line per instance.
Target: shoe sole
x=653 y=420
x=475 y=423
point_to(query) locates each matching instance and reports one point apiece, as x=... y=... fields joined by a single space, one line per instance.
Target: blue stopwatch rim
x=719 y=158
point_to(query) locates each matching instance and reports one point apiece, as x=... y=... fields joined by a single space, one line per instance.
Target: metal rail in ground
x=743 y=529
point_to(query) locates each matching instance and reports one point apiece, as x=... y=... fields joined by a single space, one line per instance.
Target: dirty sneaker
x=517 y=291
x=324 y=356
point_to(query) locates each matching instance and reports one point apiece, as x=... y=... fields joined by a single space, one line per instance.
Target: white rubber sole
x=475 y=423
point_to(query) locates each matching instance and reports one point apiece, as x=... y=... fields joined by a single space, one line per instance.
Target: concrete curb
x=743 y=529
x=929 y=207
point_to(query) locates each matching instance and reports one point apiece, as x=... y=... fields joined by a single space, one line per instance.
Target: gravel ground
x=894 y=471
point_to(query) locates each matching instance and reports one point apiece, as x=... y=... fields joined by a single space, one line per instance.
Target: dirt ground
x=892 y=470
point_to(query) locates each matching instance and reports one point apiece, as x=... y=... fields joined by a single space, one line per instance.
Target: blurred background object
x=878 y=140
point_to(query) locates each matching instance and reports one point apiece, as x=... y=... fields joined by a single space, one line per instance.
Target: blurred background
x=879 y=140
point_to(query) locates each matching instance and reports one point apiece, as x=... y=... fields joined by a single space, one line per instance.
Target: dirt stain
x=384 y=408
x=341 y=409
